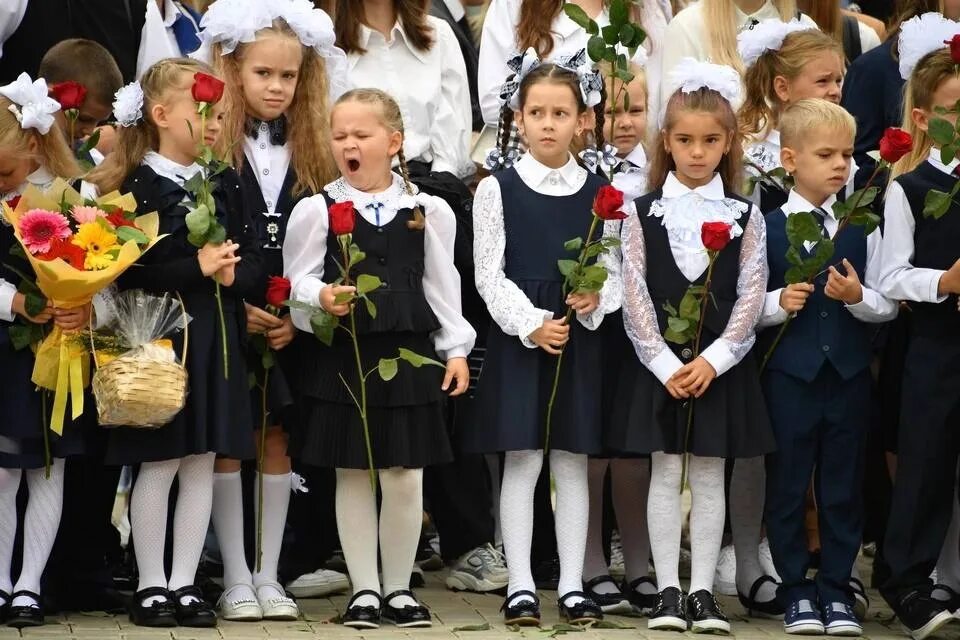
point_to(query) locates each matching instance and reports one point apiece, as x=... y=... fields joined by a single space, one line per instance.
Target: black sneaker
x=705 y=613
x=921 y=614
x=669 y=614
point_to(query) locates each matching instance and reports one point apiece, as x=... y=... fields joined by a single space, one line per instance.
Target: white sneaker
x=617 y=567
x=239 y=603
x=319 y=584
x=481 y=570
x=766 y=560
x=725 y=582
x=275 y=603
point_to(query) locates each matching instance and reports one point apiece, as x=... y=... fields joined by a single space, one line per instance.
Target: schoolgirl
x=154 y=157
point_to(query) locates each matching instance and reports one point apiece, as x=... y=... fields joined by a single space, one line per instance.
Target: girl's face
x=549 y=120
x=697 y=142
x=363 y=147
x=946 y=96
x=269 y=71
x=631 y=124
x=15 y=166
x=178 y=123
x=951 y=9
x=821 y=77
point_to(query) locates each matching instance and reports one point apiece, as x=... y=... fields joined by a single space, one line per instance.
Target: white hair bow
x=921 y=35
x=764 y=36
x=128 y=104
x=32 y=105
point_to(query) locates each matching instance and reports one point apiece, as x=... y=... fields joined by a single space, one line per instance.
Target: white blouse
x=431 y=88
x=683 y=211
x=269 y=163
x=305 y=249
x=509 y=307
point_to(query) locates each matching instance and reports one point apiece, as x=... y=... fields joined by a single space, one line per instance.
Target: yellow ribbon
x=62 y=366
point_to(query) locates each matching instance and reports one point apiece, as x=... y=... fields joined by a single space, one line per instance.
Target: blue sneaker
x=841 y=620
x=803 y=618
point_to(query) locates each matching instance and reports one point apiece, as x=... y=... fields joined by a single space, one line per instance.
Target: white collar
x=41 y=177
x=366 y=33
x=170 y=13
x=565 y=27
x=637 y=157
x=773 y=138
x=796 y=203
x=533 y=172
x=934 y=158
x=766 y=11
x=713 y=190
x=169 y=169
x=395 y=195
x=455 y=7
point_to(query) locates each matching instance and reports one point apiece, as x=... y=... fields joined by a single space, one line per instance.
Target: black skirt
x=729 y=421
x=619 y=360
x=280 y=395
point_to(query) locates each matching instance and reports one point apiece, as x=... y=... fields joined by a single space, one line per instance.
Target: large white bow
x=32 y=104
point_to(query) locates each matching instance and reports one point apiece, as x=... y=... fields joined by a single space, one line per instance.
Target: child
x=785 y=62
x=154 y=157
x=920 y=266
x=408 y=240
x=33 y=152
x=695 y=165
x=276 y=99
x=629 y=476
x=817 y=382
x=523 y=217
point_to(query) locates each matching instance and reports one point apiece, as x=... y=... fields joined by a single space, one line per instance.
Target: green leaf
x=941 y=131
x=670 y=309
x=387 y=368
x=869 y=195
x=34 y=303
x=323 y=325
x=595 y=249
x=678 y=324
x=343 y=297
x=626 y=35
x=822 y=254
x=195 y=184
x=356 y=255
x=619 y=12
x=367 y=283
x=611 y=34
x=573 y=245
x=610 y=242
x=794 y=275
x=266 y=359
x=866 y=219
x=415 y=359
x=802 y=227
x=90 y=142
x=593 y=28
x=198 y=220
x=947 y=153
x=577 y=14
x=196 y=239
x=473 y=627
x=793 y=256
x=626 y=100
x=639 y=37
x=217 y=234
x=371 y=307
x=596 y=45
x=935 y=204
x=690 y=307
x=566 y=267
x=610 y=55
x=126 y=234
x=842 y=209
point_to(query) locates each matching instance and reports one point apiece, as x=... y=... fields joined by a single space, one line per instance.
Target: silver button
x=824 y=314
x=266 y=172
x=264 y=127
x=825 y=348
x=263 y=146
x=269 y=204
x=687 y=353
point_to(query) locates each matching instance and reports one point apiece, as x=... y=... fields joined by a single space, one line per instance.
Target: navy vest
x=936 y=246
x=823 y=331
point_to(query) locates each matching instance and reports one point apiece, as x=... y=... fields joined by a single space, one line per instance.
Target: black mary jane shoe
x=411 y=615
x=197 y=613
x=20 y=617
x=158 y=614
x=755 y=609
x=362 y=617
x=584 y=612
x=643 y=603
x=5 y=607
x=525 y=613
x=616 y=602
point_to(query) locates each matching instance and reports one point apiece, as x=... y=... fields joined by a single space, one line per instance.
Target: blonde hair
x=52 y=152
x=308 y=124
x=804 y=116
x=762 y=107
x=392 y=119
x=719 y=21
x=931 y=71
x=133 y=143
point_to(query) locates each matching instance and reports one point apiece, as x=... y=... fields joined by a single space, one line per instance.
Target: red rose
x=897 y=143
x=607 y=203
x=342 y=218
x=69 y=94
x=715 y=235
x=278 y=291
x=954 y=43
x=206 y=88
x=118 y=219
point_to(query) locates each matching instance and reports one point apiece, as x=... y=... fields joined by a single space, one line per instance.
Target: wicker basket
x=134 y=391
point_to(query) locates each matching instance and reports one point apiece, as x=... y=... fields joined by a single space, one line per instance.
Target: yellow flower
x=93 y=238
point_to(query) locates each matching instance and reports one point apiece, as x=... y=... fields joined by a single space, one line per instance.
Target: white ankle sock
x=9 y=485
x=148 y=522
x=572 y=513
x=594 y=562
x=357 y=523
x=520 y=472
x=630 y=478
x=706 y=520
x=401 y=518
x=40 y=527
x=191 y=519
x=228 y=525
x=276 y=499
x=747 y=495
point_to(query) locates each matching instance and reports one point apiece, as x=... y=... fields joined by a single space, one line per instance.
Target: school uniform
x=173 y=34
x=729 y=420
x=917 y=250
x=417 y=309
x=217 y=415
x=818 y=388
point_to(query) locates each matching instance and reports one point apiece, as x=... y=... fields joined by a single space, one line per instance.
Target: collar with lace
x=169 y=169
x=683 y=210
x=934 y=158
x=366 y=33
x=395 y=196
x=796 y=203
x=534 y=173
x=42 y=177
x=713 y=190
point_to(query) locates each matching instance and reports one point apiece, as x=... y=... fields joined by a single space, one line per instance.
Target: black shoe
x=411 y=615
x=546 y=574
x=756 y=609
x=20 y=617
x=951 y=602
x=525 y=613
x=362 y=617
x=921 y=614
x=158 y=614
x=5 y=607
x=615 y=602
x=643 y=603
x=584 y=612
x=705 y=614
x=198 y=613
x=89 y=597
x=669 y=614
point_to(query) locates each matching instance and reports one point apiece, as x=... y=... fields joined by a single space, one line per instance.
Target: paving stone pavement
x=452 y=612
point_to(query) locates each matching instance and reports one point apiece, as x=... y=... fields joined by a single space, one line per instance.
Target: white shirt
x=156 y=38
x=455 y=7
x=169 y=169
x=899 y=279
x=431 y=88
x=874 y=307
x=510 y=307
x=683 y=211
x=633 y=179
x=11 y=15
x=269 y=163
x=305 y=248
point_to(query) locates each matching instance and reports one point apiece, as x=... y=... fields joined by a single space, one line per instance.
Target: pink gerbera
x=82 y=214
x=39 y=228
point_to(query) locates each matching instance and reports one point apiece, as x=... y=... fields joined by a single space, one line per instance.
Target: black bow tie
x=277 y=129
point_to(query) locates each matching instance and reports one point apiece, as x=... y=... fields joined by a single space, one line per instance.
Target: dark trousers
x=923 y=491
x=460 y=504
x=312 y=522
x=820 y=428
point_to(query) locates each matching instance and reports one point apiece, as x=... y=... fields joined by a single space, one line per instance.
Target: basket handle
x=186 y=335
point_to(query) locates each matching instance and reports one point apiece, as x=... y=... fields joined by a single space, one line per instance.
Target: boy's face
x=820 y=164
x=631 y=124
x=92 y=113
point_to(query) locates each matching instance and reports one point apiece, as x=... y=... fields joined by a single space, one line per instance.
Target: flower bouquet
x=76 y=248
